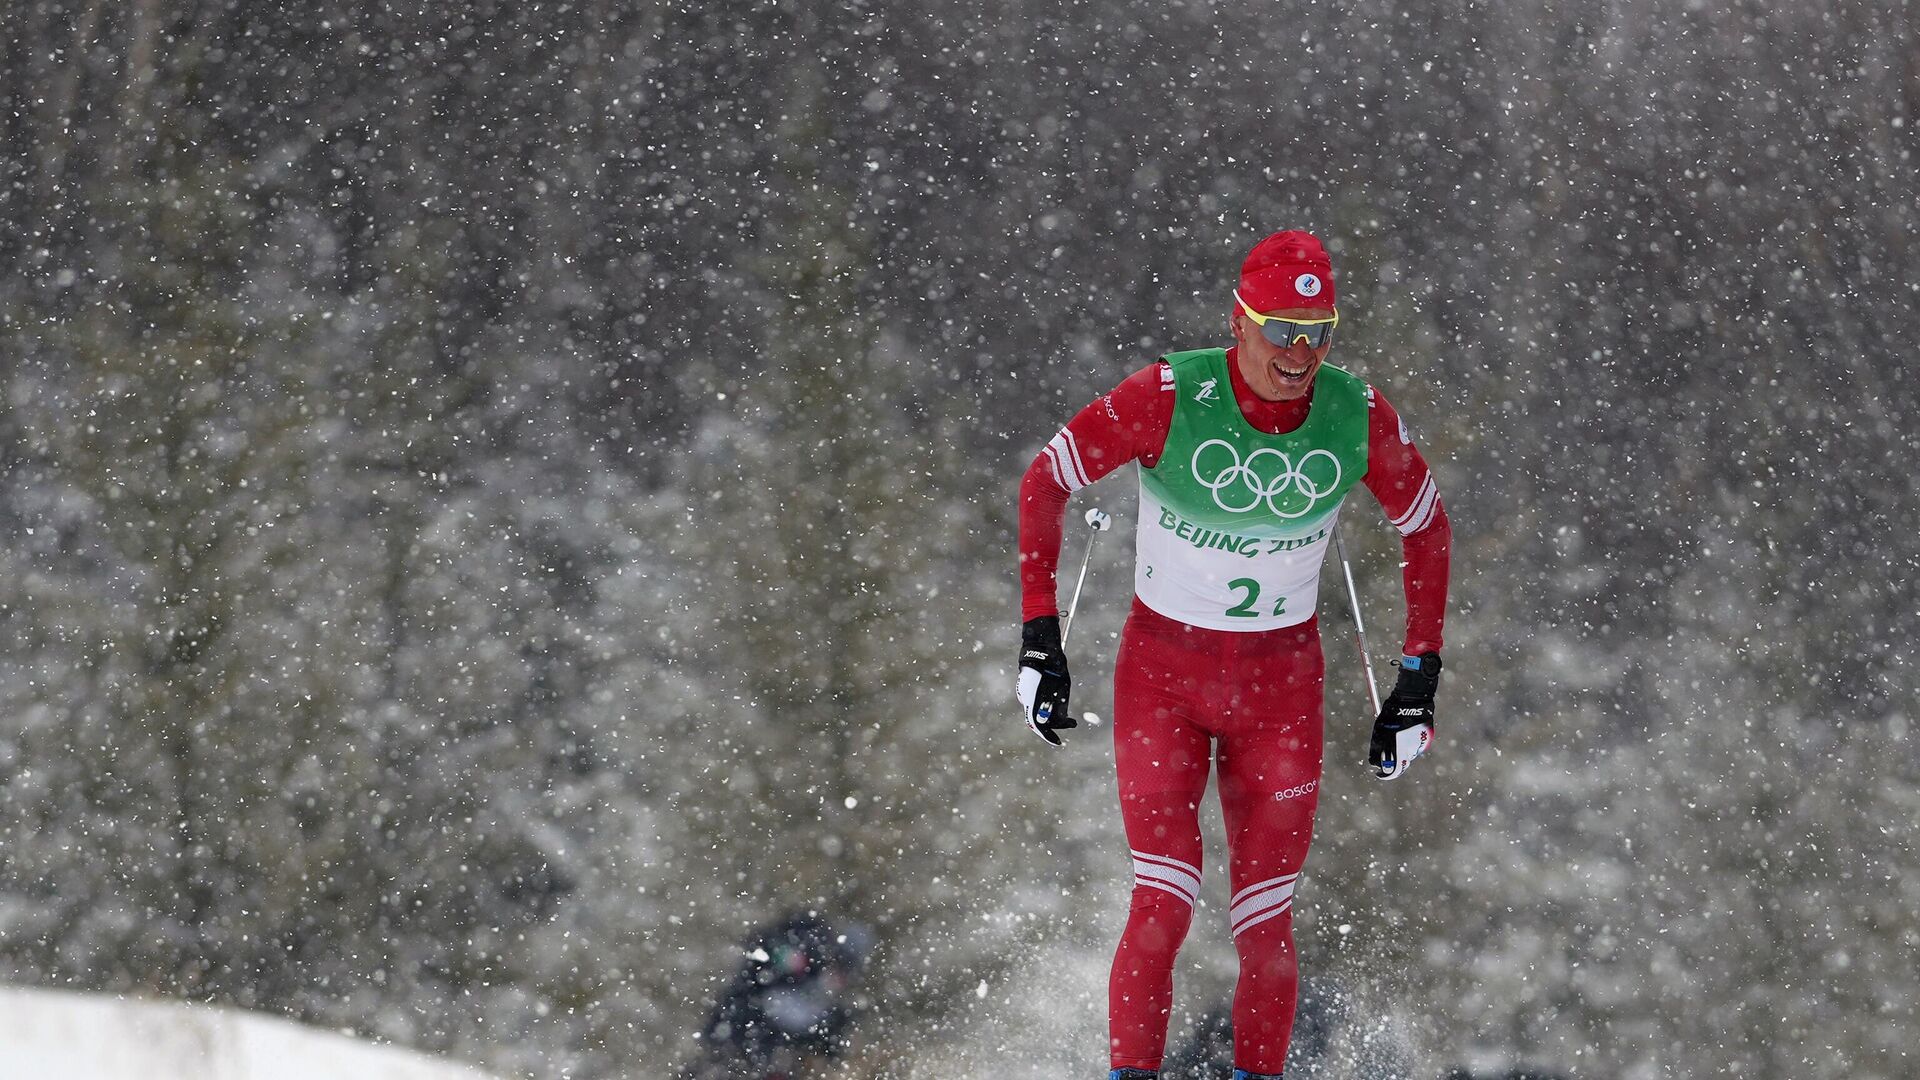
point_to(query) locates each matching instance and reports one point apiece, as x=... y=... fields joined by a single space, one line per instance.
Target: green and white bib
x=1234 y=522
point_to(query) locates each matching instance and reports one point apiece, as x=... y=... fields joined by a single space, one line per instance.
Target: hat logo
x=1307 y=285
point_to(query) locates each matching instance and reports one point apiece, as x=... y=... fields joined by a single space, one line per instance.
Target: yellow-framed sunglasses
x=1284 y=332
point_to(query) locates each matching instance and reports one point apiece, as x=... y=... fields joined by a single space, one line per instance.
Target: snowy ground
x=98 y=1037
x=1047 y=1018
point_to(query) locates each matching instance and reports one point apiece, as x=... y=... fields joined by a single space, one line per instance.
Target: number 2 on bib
x=1244 y=609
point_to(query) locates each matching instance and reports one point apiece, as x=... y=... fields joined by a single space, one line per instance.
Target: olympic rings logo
x=1289 y=493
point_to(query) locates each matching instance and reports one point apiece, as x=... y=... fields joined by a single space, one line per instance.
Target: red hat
x=1287 y=270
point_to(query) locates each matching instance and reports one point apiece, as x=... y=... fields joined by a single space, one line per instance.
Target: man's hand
x=1404 y=730
x=1044 y=682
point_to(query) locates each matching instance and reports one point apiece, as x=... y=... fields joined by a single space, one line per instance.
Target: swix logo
x=1206 y=391
x=1295 y=792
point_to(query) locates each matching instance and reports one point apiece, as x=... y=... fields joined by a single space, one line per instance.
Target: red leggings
x=1184 y=696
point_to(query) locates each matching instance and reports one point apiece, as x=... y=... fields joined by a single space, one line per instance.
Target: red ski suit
x=1185 y=697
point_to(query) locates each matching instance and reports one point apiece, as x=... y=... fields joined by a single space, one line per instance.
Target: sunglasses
x=1284 y=332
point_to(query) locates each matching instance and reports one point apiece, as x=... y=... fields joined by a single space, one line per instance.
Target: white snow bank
x=99 y=1037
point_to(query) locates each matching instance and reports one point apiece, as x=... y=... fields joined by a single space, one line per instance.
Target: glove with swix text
x=1044 y=682
x=1404 y=729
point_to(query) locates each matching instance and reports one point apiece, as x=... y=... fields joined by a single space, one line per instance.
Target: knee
x=1262 y=916
x=1266 y=953
x=1164 y=892
x=1158 y=920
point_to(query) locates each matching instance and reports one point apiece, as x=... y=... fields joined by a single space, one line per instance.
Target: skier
x=1245 y=456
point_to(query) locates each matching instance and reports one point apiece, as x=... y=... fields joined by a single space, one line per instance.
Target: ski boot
x=1133 y=1074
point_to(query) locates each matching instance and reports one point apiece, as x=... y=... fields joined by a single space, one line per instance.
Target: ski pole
x=1359 y=625
x=1098 y=520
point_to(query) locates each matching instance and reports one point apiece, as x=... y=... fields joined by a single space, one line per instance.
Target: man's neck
x=1272 y=417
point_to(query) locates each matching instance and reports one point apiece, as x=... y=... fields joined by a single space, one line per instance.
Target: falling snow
x=502 y=501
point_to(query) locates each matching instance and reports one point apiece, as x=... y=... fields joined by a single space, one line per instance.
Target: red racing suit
x=1187 y=697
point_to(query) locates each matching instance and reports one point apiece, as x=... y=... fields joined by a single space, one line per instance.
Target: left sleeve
x=1130 y=424
x=1398 y=476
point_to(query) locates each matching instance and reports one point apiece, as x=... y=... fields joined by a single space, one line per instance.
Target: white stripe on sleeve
x=1053 y=463
x=1067 y=459
x=1073 y=450
x=1420 y=514
x=1426 y=519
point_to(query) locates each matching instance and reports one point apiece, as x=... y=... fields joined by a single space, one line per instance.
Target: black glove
x=1404 y=730
x=1044 y=682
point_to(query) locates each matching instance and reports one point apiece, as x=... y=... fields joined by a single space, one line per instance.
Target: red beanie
x=1287 y=270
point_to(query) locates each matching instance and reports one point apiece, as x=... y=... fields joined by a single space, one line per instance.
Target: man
x=1245 y=457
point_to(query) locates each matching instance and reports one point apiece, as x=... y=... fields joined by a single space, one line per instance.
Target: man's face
x=1272 y=372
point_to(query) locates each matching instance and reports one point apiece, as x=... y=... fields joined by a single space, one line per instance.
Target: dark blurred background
x=502 y=499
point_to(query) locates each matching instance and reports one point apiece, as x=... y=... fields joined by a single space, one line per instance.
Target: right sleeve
x=1129 y=424
x=1398 y=476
